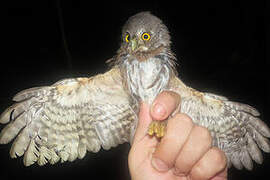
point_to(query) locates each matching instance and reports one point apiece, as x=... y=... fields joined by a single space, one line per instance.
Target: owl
x=63 y=121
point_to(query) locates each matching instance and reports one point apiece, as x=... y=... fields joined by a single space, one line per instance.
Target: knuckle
x=213 y=163
x=218 y=157
x=184 y=118
x=198 y=173
x=204 y=133
x=164 y=156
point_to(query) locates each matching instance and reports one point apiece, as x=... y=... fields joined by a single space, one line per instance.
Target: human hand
x=184 y=152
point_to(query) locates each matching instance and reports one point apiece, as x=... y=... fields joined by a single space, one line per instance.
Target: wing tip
x=6 y=115
x=243 y=107
x=28 y=93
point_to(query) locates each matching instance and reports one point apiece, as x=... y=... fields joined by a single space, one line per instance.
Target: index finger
x=164 y=105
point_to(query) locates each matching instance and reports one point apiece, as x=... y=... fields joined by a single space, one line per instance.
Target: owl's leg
x=157 y=128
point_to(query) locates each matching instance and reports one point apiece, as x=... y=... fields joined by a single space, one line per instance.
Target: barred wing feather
x=235 y=127
x=63 y=121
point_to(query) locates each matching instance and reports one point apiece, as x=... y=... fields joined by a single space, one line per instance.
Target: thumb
x=144 y=120
x=143 y=145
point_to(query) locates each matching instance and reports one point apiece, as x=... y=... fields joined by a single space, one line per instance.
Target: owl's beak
x=134 y=44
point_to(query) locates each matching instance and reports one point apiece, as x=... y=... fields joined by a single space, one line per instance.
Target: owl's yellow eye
x=127 y=38
x=146 y=36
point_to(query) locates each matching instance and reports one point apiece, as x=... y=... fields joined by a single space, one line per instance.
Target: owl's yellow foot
x=157 y=128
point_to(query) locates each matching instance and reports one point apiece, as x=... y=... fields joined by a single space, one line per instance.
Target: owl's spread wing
x=235 y=127
x=63 y=121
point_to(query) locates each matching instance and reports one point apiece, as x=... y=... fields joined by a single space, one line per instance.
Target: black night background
x=221 y=48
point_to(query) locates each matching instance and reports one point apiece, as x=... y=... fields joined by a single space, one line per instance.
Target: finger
x=144 y=121
x=198 y=143
x=142 y=145
x=178 y=130
x=164 y=105
x=223 y=175
x=212 y=163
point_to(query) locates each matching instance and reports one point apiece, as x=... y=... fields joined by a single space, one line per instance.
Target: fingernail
x=159 y=110
x=159 y=165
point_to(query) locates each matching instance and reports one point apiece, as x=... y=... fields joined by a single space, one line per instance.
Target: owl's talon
x=157 y=128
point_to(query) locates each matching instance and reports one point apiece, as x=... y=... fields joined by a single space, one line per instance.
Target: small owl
x=63 y=121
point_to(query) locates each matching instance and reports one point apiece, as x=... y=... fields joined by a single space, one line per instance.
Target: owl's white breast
x=145 y=79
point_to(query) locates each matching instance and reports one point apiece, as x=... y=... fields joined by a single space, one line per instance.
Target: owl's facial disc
x=144 y=35
x=137 y=43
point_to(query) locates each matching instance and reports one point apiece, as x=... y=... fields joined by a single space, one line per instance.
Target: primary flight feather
x=63 y=121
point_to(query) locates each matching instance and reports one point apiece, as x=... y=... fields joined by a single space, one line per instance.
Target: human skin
x=184 y=153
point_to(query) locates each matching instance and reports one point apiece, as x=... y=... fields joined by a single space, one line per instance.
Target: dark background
x=221 y=48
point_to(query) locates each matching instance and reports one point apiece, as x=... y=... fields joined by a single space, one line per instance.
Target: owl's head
x=144 y=33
